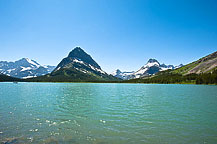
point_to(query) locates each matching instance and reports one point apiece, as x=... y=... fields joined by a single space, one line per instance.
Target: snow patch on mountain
x=122 y=75
x=32 y=62
x=80 y=68
x=25 y=68
x=78 y=61
x=96 y=69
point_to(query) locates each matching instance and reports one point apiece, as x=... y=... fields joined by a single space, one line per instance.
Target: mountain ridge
x=79 y=68
x=151 y=67
x=24 y=68
x=205 y=64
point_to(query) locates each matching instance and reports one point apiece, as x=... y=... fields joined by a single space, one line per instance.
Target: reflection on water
x=107 y=113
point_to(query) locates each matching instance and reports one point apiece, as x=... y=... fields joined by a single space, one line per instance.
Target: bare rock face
x=204 y=65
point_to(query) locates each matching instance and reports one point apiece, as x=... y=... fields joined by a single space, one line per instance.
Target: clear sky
x=120 y=34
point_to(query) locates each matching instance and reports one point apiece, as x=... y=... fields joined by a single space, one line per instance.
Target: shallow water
x=107 y=113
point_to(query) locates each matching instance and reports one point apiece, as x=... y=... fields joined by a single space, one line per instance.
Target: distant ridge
x=150 y=68
x=24 y=68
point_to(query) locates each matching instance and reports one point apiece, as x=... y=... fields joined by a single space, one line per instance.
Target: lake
x=91 y=113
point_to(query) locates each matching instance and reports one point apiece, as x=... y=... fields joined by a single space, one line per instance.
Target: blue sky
x=120 y=34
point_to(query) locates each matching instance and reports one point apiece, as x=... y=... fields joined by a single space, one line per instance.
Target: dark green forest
x=5 y=78
x=167 y=77
x=73 y=75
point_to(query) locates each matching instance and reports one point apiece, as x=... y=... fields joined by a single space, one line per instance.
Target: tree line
x=170 y=78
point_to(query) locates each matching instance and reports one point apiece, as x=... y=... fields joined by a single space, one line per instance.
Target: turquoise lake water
x=87 y=113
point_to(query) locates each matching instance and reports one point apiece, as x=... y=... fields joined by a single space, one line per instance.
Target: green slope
x=206 y=64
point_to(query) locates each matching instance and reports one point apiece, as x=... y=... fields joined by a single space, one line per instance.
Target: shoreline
x=111 y=83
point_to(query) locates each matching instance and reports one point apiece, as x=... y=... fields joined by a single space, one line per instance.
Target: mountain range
x=79 y=66
x=24 y=68
x=150 y=68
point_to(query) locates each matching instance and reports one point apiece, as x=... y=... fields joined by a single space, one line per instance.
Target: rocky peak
x=152 y=61
x=27 y=62
x=79 y=54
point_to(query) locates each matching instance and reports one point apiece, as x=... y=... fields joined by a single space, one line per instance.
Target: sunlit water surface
x=87 y=113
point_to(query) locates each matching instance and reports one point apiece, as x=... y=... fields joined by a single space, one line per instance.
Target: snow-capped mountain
x=122 y=75
x=78 y=66
x=150 y=68
x=24 y=68
x=80 y=61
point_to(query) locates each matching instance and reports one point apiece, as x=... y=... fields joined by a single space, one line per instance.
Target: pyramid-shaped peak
x=78 y=48
x=80 y=54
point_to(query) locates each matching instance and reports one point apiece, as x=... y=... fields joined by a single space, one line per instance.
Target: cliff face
x=206 y=64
